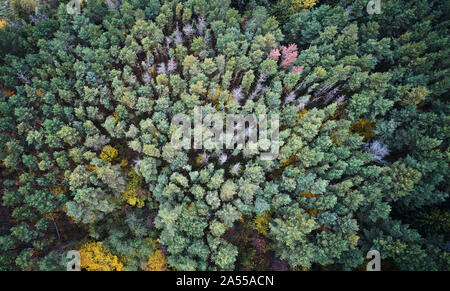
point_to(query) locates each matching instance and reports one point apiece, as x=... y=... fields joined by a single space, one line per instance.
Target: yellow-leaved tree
x=95 y=257
x=2 y=23
x=157 y=262
x=300 y=5
x=108 y=153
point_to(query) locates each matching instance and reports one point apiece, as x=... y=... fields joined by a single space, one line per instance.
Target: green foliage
x=86 y=106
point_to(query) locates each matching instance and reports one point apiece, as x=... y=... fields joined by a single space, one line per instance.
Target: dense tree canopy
x=87 y=102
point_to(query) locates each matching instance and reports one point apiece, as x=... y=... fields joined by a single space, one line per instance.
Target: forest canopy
x=87 y=101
